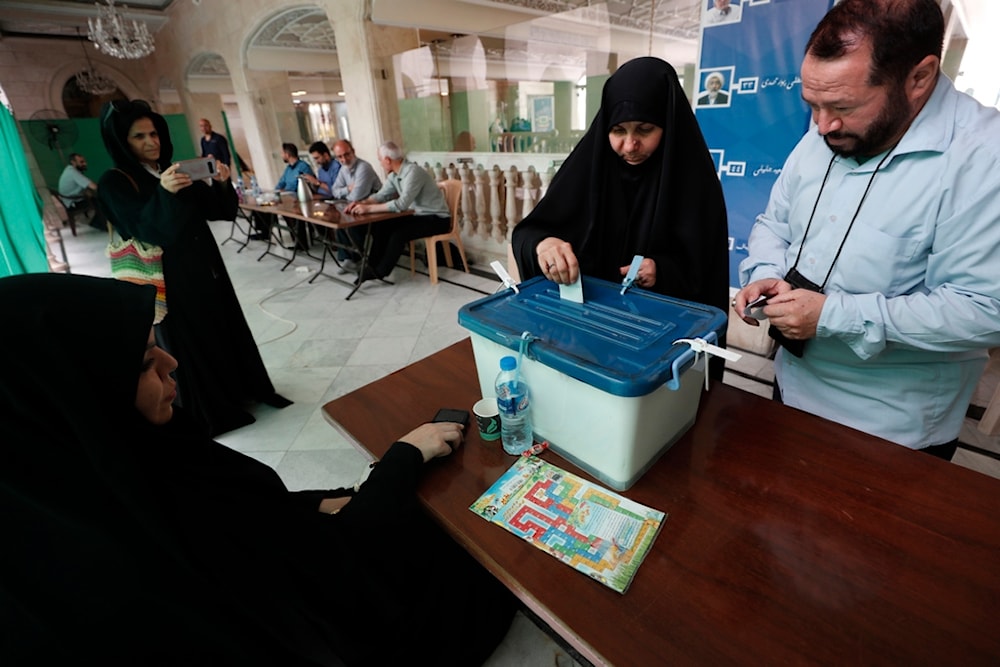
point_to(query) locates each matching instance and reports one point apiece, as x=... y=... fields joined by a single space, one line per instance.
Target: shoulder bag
x=138 y=262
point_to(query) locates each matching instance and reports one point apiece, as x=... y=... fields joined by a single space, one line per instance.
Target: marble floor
x=317 y=346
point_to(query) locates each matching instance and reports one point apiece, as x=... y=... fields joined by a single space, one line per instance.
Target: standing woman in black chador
x=640 y=182
x=147 y=198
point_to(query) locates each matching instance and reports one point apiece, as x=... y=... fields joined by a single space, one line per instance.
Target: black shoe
x=367 y=274
x=258 y=236
x=276 y=400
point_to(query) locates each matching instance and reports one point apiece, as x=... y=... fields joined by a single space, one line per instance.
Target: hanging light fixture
x=89 y=80
x=116 y=36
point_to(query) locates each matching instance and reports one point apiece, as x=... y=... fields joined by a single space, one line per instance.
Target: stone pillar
x=265 y=103
x=510 y=182
x=495 y=176
x=482 y=222
x=468 y=200
x=364 y=51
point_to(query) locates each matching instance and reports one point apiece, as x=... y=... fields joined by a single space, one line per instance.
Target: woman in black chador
x=147 y=198
x=640 y=182
x=132 y=539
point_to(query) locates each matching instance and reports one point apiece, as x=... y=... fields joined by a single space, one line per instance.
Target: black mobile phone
x=755 y=308
x=452 y=415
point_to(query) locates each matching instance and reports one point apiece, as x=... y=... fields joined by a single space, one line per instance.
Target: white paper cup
x=487 y=418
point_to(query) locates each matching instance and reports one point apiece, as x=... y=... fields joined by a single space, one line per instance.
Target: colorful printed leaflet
x=584 y=525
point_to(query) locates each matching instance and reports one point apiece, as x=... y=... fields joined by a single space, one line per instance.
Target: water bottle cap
x=508 y=363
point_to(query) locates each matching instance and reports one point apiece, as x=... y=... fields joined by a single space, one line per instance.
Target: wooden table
x=329 y=216
x=790 y=539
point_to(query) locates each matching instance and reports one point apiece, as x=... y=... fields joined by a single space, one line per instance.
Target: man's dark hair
x=901 y=32
x=73 y=157
x=319 y=147
x=290 y=149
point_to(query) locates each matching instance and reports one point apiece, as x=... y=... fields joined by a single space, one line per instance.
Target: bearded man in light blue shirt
x=878 y=248
x=294 y=167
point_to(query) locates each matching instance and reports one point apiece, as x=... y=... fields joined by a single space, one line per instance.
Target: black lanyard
x=850 y=226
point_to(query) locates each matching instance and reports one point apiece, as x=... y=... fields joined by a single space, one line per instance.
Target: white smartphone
x=198 y=168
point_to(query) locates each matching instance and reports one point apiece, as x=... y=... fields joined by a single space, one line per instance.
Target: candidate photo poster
x=748 y=100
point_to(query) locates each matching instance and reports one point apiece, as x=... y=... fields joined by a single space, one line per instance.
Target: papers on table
x=586 y=526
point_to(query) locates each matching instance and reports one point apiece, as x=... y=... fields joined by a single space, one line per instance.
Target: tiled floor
x=317 y=346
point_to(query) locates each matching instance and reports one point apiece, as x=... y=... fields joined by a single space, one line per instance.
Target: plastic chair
x=452 y=191
x=53 y=236
x=65 y=214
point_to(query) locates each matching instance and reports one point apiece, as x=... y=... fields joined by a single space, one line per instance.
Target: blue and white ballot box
x=610 y=389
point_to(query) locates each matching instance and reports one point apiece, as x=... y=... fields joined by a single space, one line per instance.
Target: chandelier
x=116 y=36
x=89 y=80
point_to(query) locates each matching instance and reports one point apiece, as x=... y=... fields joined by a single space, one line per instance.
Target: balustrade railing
x=493 y=201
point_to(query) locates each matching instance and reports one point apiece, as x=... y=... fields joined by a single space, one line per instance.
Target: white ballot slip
x=572 y=292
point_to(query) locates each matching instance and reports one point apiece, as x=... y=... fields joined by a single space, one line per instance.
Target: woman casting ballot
x=640 y=182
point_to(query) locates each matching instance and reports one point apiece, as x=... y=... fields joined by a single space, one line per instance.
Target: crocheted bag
x=138 y=262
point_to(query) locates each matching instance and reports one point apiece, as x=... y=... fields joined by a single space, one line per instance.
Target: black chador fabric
x=132 y=544
x=220 y=367
x=669 y=208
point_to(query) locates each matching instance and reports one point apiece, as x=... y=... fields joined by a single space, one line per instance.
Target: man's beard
x=890 y=122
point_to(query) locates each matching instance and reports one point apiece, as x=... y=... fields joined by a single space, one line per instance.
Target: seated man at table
x=357 y=180
x=408 y=187
x=322 y=182
x=294 y=168
x=289 y=183
x=77 y=192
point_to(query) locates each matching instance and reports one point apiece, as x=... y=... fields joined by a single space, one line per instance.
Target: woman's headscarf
x=117 y=117
x=669 y=208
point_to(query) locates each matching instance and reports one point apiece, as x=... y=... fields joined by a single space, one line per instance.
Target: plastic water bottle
x=239 y=188
x=515 y=412
x=254 y=187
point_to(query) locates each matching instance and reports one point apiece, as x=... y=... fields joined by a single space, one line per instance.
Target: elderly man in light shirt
x=357 y=180
x=408 y=187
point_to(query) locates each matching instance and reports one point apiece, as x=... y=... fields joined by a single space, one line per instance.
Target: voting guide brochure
x=591 y=529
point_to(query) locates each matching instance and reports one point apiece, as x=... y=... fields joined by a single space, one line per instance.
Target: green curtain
x=22 y=236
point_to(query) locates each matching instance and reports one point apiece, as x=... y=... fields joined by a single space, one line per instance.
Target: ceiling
x=670 y=19
x=676 y=18
x=61 y=19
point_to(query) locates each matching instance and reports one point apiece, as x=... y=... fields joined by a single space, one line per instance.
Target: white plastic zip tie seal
x=702 y=346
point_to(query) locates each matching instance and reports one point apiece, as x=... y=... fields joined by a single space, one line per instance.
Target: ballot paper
x=572 y=292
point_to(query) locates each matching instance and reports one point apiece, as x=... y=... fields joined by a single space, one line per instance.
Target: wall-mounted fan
x=54 y=129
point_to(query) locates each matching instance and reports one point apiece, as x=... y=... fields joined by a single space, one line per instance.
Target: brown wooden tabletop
x=789 y=540
x=319 y=212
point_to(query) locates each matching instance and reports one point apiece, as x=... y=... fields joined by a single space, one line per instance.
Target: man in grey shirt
x=73 y=185
x=77 y=192
x=356 y=181
x=408 y=187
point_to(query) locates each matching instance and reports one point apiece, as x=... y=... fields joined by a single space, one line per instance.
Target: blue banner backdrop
x=749 y=100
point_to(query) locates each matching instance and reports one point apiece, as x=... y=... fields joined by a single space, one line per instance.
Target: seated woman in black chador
x=131 y=540
x=146 y=197
x=640 y=182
